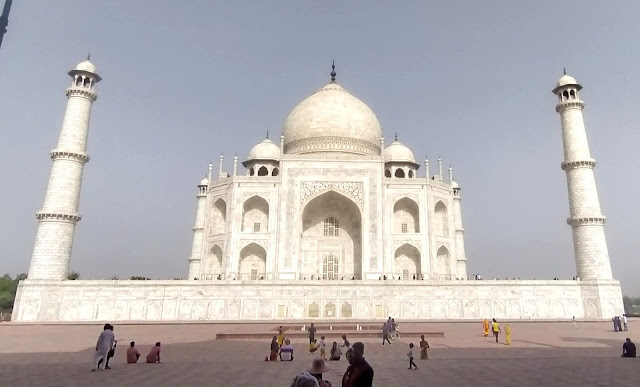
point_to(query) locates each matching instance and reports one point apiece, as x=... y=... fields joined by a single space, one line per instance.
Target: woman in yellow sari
x=507 y=334
x=485 y=327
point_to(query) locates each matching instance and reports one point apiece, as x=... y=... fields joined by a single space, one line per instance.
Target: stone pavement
x=541 y=354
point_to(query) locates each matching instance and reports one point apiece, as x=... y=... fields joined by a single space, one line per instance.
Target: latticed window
x=330 y=267
x=331 y=227
x=254 y=274
x=405 y=274
x=256 y=227
x=405 y=228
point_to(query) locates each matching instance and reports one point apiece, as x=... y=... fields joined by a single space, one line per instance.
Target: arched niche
x=330 y=310
x=331 y=225
x=218 y=217
x=213 y=265
x=263 y=171
x=255 y=215
x=441 y=218
x=346 y=311
x=313 y=310
x=253 y=262
x=443 y=263
x=406 y=217
x=407 y=262
x=399 y=173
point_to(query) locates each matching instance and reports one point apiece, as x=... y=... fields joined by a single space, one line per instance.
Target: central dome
x=332 y=120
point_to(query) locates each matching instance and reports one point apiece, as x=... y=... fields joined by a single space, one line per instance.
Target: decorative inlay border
x=573 y=222
x=71 y=218
x=569 y=105
x=332 y=143
x=309 y=189
x=566 y=165
x=82 y=157
x=83 y=92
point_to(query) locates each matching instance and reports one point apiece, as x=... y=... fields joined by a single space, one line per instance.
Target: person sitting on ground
x=154 y=354
x=318 y=367
x=628 y=349
x=286 y=351
x=273 y=354
x=313 y=346
x=335 y=353
x=132 y=353
x=305 y=379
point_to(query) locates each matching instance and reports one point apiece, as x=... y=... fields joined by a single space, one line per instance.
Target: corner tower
x=59 y=215
x=586 y=219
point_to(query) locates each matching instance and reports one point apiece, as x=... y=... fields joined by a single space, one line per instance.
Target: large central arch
x=331 y=226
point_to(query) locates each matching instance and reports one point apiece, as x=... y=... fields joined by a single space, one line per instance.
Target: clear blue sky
x=186 y=80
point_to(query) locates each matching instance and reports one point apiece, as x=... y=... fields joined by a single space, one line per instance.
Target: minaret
x=586 y=220
x=59 y=215
x=198 y=231
x=4 y=19
x=461 y=259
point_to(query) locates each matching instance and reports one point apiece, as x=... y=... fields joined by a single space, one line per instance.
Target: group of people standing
x=619 y=323
x=106 y=349
x=389 y=330
x=496 y=330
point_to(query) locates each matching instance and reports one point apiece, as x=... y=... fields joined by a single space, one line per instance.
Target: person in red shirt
x=132 y=353
x=154 y=354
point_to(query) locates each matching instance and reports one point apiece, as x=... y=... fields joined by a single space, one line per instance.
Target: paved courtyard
x=541 y=354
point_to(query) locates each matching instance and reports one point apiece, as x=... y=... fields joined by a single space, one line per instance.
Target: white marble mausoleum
x=328 y=222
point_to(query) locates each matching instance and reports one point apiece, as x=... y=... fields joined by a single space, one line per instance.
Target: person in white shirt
x=323 y=348
x=103 y=346
x=286 y=351
x=625 y=321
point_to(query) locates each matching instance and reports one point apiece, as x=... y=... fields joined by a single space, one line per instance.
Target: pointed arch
x=406 y=216
x=443 y=262
x=253 y=262
x=407 y=261
x=263 y=171
x=213 y=264
x=346 y=311
x=399 y=173
x=441 y=219
x=330 y=310
x=255 y=215
x=218 y=217
x=313 y=310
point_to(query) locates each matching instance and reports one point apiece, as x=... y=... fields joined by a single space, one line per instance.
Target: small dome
x=266 y=150
x=86 y=66
x=397 y=152
x=332 y=120
x=204 y=181
x=566 y=80
x=455 y=185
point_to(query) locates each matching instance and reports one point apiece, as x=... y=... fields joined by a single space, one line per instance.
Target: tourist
x=410 y=356
x=280 y=336
x=625 y=322
x=335 y=353
x=132 y=353
x=313 y=346
x=393 y=329
x=112 y=351
x=507 y=334
x=575 y=325
x=385 y=334
x=496 y=329
x=323 y=348
x=304 y=379
x=286 y=351
x=615 y=324
x=424 y=346
x=318 y=367
x=103 y=346
x=628 y=349
x=273 y=355
x=154 y=354
x=359 y=373
x=312 y=332
x=485 y=327
x=345 y=342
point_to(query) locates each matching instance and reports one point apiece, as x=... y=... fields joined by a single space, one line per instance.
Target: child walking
x=322 y=346
x=410 y=356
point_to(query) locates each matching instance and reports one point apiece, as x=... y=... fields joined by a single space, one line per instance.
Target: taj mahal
x=327 y=221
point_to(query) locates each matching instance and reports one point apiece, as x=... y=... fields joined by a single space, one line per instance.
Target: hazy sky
x=186 y=80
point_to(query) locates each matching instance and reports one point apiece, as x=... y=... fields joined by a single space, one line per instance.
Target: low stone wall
x=88 y=300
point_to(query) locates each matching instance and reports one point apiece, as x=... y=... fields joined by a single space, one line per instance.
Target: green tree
x=8 y=288
x=139 y=278
x=74 y=275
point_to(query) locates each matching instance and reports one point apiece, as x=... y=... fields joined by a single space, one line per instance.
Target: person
x=618 y=324
x=625 y=322
x=280 y=336
x=359 y=373
x=313 y=346
x=154 y=354
x=335 y=353
x=615 y=324
x=318 y=367
x=103 y=346
x=273 y=355
x=345 y=342
x=112 y=351
x=132 y=353
x=312 y=333
x=385 y=334
x=485 y=327
x=323 y=348
x=410 y=356
x=392 y=329
x=628 y=349
x=424 y=346
x=304 y=379
x=496 y=329
x=575 y=326
x=507 y=334
x=286 y=351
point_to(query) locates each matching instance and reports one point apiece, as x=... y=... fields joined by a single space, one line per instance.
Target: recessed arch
x=255 y=215
x=346 y=311
x=218 y=223
x=399 y=173
x=330 y=310
x=213 y=264
x=252 y=171
x=263 y=171
x=443 y=261
x=411 y=173
x=275 y=171
x=313 y=310
x=441 y=218
x=406 y=216
x=253 y=262
x=407 y=262
x=387 y=173
x=341 y=238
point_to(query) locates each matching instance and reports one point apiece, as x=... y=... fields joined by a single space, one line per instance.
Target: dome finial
x=396 y=136
x=267 y=134
x=333 y=71
x=88 y=55
x=564 y=70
